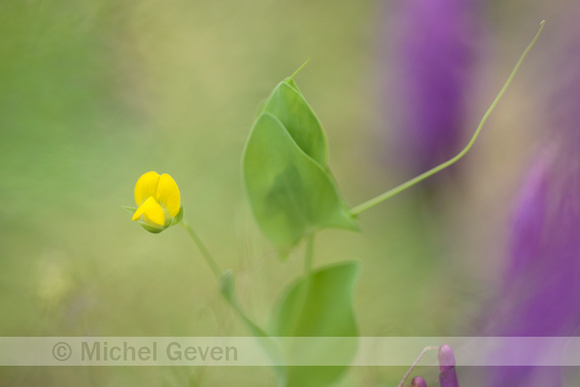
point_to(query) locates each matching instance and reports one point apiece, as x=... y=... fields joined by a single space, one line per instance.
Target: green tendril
x=392 y=192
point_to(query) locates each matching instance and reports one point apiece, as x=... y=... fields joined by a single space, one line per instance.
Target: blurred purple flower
x=541 y=291
x=541 y=288
x=435 y=54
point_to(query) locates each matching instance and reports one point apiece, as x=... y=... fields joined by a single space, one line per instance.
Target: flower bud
x=418 y=382
x=447 y=375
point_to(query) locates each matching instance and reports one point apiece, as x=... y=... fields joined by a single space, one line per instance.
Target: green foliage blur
x=95 y=93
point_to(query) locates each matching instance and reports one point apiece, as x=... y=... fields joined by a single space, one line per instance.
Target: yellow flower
x=158 y=200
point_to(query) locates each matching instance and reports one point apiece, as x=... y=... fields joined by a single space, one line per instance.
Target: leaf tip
x=300 y=68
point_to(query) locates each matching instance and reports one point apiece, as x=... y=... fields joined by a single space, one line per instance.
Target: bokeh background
x=95 y=93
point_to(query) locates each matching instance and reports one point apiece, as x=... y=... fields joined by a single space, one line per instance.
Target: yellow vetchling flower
x=158 y=200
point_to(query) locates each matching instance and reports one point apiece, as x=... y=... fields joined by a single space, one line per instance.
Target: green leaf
x=290 y=193
x=321 y=306
x=290 y=188
x=291 y=109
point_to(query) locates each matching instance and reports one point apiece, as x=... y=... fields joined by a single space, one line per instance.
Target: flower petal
x=151 y=213
x=168 y=194
x=146 y=186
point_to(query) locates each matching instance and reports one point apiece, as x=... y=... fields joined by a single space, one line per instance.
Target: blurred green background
x=95 y=93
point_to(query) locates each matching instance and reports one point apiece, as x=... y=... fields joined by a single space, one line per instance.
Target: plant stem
x=204 y=251
x=392 y=192
x=423 y=352
x=231 y=298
